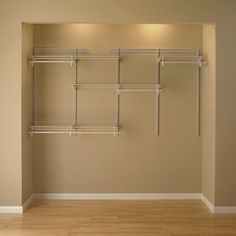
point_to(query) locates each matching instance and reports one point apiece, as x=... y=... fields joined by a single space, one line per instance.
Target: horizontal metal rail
x=121 y=87
x=60 y=50
x=138 y=90
x=155 y=50
x=74 y=132
x=57 y=129
x=95 y=86
x=52 y=132
x=184 y=62
x=67 y=55
x=51 y=61
x=86 y=50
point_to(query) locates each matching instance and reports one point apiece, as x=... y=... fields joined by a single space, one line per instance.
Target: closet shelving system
x=73 y=56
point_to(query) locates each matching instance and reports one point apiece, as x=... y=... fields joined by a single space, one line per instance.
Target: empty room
x=117 y=117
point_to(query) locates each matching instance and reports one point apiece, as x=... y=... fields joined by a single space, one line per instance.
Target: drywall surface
x=208 y=105
x=225 y=117
x=13 y=13
x=10 y=119
x=27 y=158
x=136 y=161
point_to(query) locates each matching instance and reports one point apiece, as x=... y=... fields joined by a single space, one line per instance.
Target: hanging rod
x=95 y=86
x=74 y=132
x=134 y=50
x=139 y=87
x=51 y=61
x=60 y=50
x=97 y=56
x=182 y=62
x=121 y=87
x=70 y=127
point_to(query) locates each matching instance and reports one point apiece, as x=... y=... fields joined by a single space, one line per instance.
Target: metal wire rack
x=74 y=55
x=74 y=129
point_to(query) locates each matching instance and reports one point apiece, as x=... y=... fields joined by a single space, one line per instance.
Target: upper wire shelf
x=67 y=55
x=71 y=55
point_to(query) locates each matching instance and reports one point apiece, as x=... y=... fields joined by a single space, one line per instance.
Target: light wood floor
x=117 y=218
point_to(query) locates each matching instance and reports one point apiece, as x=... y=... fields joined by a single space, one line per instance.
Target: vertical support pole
x=198 y=97
x=33 y=92
x=76 y=81
x=117 y=116
x=158 y=81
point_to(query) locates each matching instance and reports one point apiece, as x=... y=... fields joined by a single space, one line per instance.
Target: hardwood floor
x=117 y=218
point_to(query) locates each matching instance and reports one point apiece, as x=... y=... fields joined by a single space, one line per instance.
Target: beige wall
x=208 y=105
x=10 y=119
x=27 y=158
x=225 y=116
x=136 y=161
x=221 y=12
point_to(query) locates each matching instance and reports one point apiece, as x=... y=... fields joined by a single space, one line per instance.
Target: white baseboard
x=216 y=209
x=224 y=210
x=207 y=203
x=117 y=196
x=11 y=209
x=137 y=196
x=28 y=202
x=17 y=209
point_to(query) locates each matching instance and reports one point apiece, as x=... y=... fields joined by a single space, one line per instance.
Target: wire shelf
x=74 y=129
x=72 y=56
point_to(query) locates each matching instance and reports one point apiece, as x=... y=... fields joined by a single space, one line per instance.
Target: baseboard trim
x=11 y=209
x=216 y=209
x=28 y=202
x=118 y=196
x=209 y=205
x=224 y=210
x=17 y=209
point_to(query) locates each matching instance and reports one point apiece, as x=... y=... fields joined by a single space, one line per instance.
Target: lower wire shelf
x=73 y=129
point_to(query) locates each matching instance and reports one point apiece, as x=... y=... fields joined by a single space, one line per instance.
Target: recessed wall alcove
x=136 y=160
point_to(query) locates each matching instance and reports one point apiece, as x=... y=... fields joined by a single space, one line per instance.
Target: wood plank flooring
x=117 y=218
